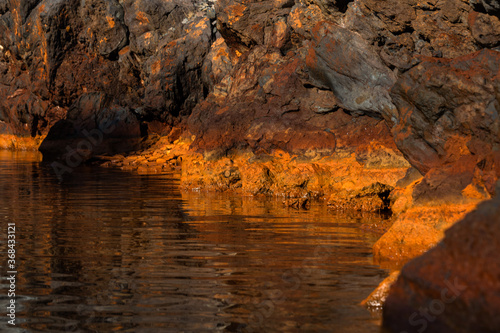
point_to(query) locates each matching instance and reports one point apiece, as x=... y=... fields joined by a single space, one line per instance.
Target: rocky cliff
x=371 y=104
x=300 y=76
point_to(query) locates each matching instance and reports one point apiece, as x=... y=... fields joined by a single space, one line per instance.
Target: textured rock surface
x=275 y=76
x=416 y=231
x=453 y=287
x=300 y=98
x=448 y=123
x=378 y=297
x=142 y=58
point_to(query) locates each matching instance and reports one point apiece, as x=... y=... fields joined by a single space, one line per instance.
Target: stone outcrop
x=448 y=123
x=416 y=231
x=134 y=63
x=371 y=105
x=453 y=287
x=262 y=75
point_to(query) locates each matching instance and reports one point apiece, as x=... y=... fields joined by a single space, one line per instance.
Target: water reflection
x=109 y=251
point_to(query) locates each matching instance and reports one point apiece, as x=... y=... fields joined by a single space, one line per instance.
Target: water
x=107 y=251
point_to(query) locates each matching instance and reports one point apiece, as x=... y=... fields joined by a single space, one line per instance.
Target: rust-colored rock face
x=264 y=75
x=306 y=99
x=70 y=64
x=371 y=105
x=453 y=287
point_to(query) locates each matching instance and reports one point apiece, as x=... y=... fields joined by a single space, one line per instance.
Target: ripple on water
x=109 y=251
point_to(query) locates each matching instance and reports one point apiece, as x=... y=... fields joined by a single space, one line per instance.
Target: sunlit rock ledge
x=14 y=142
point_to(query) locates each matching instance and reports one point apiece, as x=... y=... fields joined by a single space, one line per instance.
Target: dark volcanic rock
x=448 y=124
x=455 y=286
x=302 y=76
x=345 y=63
x=144 y=58
x=489 y=6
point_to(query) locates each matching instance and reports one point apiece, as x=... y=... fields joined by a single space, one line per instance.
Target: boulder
x=416 y=231
x=454 y=287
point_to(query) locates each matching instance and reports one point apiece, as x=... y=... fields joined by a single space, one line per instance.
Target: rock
x=55 y=52
x=448 y=122
x=485 y=29
x=416 y=231
x=297 y=203
x=105 y=33
x=91 y=128
x=453 y=287
x=342 y=61
x=244 y=24
x=377 y=298
x=218 y=64
x=403 y=30
x=372 y=198
x=264 y=107
x=489 y=6
x=173 y=82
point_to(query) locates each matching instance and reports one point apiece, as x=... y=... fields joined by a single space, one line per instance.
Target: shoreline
x=340 y=182
x=414 y=227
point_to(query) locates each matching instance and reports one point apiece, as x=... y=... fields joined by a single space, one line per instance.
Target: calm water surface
x=107 y=251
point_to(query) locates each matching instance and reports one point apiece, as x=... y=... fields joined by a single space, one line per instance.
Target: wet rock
x=416 y=231
x=218 y=64
x=377 y=298
x=297 y=203
x=372 y=198
x=411 y=28
x=453 y=287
